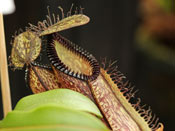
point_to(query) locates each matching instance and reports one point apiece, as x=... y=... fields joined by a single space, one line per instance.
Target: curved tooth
x=78 y=76
x=55 y=64
x=81 y=76
x=59 y=67
x=74 y=74
x=70 y=73
x=66 y=71
x=62 y=69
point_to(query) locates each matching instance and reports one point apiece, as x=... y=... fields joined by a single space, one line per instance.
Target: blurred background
x=139 y=34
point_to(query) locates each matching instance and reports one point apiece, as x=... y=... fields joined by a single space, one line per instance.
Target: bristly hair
x=129 y=93
x=42 y=26
x=10 y=64
x=17 y=32
x=53 y=19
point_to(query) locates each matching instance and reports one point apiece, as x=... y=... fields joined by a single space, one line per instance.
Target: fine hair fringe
x=129 y=93
x=52 y=19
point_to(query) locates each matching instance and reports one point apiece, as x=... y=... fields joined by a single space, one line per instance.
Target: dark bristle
x=52 y=55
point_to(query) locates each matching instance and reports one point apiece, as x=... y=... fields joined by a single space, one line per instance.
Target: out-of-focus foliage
x=167 y=5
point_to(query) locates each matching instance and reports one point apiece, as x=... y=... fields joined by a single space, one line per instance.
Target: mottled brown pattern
x=47 y=77
x=111 y=107
x=72 y=83
x=41 y=79
x=34 y=82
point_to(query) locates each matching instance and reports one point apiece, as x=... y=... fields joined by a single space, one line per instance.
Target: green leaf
x=51 y=128
x=61 y=97
x=51 y=117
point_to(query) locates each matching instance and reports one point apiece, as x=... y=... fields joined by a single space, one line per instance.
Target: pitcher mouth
x=72 y=59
